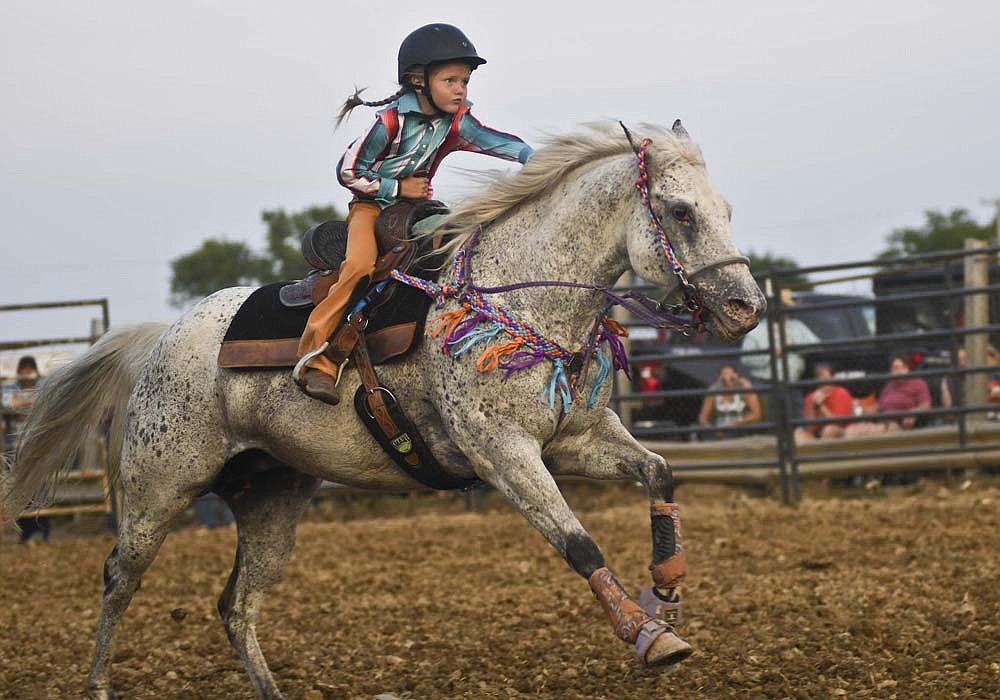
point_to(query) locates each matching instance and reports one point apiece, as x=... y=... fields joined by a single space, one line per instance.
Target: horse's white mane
x=550 y=164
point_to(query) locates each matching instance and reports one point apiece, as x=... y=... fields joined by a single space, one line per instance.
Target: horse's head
x=695 y=219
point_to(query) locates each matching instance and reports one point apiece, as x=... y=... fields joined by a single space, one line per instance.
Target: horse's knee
x=659 y=478
x=121 y=576
x=109 y=566
x=583 y=554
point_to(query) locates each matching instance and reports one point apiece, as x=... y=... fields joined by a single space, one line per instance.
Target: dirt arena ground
x=863 y=595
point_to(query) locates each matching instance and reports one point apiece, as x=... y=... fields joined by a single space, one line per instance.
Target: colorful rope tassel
x=466 y=340
x=494 y=354
x=446 y=323
x=603 y=372
x=558 y=384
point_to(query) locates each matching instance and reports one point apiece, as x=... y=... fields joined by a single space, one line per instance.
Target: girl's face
x=728 y=376
x=449 y=86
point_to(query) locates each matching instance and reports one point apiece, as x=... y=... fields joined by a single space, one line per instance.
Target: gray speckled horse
x=182 y=426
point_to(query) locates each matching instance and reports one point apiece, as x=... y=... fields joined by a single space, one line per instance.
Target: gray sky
x=132 y=131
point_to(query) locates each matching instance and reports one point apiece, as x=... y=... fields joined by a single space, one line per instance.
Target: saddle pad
x=264 y=333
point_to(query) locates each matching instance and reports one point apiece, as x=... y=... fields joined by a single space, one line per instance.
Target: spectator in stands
x=993 y=383
x=16 y=397
x=796 y=333
x=948 y=387
x=900 y=394
x=738 y=407
x=826 y=401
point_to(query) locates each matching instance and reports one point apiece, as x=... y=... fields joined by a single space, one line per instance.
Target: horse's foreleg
x=513 y=465
x=608 y=451
x=267 y=507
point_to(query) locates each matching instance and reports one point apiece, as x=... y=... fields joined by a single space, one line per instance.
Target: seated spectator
x=828 y=400
x=901 y=394
x=728 y=409
x=993 y=384
x=949 y=383
x=17 y=397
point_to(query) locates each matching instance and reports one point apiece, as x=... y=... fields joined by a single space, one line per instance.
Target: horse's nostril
x=742 y=313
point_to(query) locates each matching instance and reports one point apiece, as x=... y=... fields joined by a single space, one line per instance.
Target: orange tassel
x=615 y=327
x=490 y=359
x=447 y=322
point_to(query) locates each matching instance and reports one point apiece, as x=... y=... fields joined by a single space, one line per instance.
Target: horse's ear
x=679 y=129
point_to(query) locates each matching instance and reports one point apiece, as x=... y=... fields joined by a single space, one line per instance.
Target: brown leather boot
x=320 y=385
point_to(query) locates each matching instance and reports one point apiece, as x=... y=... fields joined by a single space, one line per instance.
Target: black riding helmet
x=436 y=43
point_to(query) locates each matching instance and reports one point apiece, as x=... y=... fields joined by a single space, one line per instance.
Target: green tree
x=284 y=234
x=761 y=264
x=215 y=265
x=219 y=263
x=940 y=232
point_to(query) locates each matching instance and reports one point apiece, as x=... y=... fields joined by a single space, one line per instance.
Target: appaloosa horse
x=573 y=213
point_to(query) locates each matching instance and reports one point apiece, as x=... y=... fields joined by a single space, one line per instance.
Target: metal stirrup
x=297 y=372
x=340 y=370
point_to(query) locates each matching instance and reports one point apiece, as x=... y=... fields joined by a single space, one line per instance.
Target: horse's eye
x=681 y=213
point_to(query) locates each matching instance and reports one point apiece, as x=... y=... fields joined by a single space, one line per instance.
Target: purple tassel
x=618 y=356
x=521 y=360
x=464 y=328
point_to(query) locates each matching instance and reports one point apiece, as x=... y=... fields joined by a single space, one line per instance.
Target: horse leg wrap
x=662 y=600
x=625 y=614
x=632 y=624
x=668 y=567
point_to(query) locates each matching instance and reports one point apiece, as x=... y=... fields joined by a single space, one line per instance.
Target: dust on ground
x=867 y=595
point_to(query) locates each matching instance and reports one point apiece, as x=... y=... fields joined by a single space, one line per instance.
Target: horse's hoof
x=668 y=610
x=659 y=645
x=100 y=694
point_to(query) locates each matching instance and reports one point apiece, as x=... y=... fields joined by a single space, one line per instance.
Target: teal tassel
x=603 y=372
x=477 y=335
x=558 y=382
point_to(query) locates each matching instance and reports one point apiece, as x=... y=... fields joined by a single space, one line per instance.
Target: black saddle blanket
x=263 y=317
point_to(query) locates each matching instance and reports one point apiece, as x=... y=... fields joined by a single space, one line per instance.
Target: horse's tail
x=69 y=405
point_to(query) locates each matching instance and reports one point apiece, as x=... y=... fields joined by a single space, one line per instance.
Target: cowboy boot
x=319 y=385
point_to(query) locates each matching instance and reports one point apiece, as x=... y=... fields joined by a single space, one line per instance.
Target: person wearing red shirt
x=828 y=400
x=900 y=394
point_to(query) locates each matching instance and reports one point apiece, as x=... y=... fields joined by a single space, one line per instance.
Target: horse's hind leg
x=267 y=506
x=143 y=529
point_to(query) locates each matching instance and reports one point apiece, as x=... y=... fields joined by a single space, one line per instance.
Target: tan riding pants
x=362 y=251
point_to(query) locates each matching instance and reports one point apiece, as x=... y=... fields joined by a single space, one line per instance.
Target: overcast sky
x=132 y=131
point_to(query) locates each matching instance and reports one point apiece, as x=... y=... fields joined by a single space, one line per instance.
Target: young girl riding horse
x=396 y=158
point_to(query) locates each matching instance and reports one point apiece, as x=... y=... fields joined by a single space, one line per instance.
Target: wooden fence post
x=977 y=313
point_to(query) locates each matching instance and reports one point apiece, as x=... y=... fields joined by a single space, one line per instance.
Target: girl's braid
x=355 y=101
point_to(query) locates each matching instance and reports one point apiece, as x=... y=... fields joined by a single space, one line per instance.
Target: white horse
x=183 y=426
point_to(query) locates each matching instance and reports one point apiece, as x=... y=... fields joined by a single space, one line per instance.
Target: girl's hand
x=415 y=188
